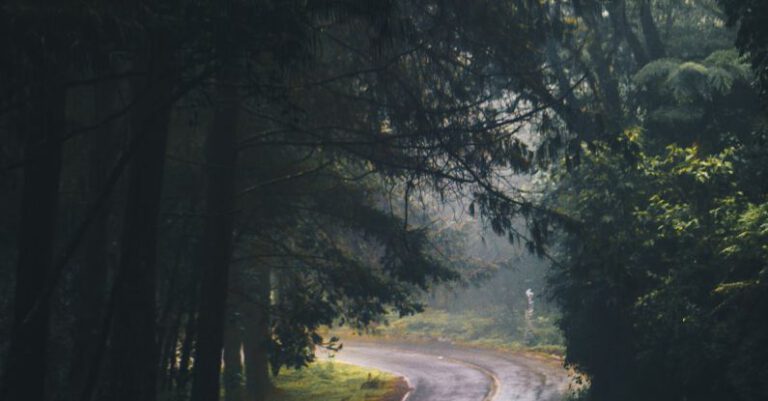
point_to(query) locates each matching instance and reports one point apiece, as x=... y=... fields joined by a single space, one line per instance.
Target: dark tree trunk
x=623 y=29
x=190 y=336
x=603 y=81
x=233 y=362
x=91 y=279
x=172 y=312
x=257 y=336
x=217 y=237
x=186 y=354
x=651 y=32
x=26 y=365
x=168 y=359
x=134 y=349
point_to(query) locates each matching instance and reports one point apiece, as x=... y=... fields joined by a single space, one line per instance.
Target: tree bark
x=186 y=353
x=134 y=348
x=256 y=339
x=217 y=236
x=190 y=335
x=91 y=281
x=172 y=311
x=623 y=29
x=651 y=32
x=233 y=362
x=605 y=84
x=26 y=365
x=168 y=358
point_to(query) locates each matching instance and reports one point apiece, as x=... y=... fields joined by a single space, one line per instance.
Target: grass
x=469 y=329
x=336 y=381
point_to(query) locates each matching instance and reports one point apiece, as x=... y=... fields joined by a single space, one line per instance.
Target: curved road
x=441 y=372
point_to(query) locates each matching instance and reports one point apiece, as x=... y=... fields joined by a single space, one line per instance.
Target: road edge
x=495 y=381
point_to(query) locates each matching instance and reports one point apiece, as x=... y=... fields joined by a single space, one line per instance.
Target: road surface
x=442 y=372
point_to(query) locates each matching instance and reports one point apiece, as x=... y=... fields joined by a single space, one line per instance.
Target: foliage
x=750 y=17
x=647 y=120
x=469 y=328
x=654 y=278
x=665 y=202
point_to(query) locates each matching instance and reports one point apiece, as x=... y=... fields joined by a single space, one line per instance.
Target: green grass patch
x=471 y=329
x=336 y=381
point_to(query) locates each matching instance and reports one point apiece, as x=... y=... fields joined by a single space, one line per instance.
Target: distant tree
x=750 y=16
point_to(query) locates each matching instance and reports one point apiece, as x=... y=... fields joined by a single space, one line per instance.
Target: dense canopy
x=194 y=190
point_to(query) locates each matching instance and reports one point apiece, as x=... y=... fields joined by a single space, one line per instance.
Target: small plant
x=371 y=383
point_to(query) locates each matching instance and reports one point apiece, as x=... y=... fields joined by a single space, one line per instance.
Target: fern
x=691 y=81
x=656 y=71
x=720 y=80
x=688 y=82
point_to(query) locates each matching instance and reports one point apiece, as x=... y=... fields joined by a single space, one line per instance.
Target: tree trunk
x=168 y=357
x=190 y=336
x=605 y=84
x=26 y=366
x=186 y=354
x=257 y=336
x=172 y=311
x=91 y=281
x=622 y=28
x=217 y=237
x=233 y=362
x=651 y=32
x=134 y=348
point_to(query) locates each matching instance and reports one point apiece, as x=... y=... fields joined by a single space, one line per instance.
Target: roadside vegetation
x=469 y=329
x=487 y=309
x=335 y=381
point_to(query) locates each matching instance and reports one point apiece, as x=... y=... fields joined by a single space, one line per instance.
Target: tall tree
x=91 y=279
x=42 y=123
x=233 y=360
x=221 y=156
x=26 y=366
x=134 y=350
x=750 y=16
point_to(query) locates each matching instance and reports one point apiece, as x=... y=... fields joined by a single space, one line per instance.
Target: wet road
x=441 y=372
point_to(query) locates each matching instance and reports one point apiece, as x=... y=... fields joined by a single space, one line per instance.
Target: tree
x=643 y=276
x=133 y=315
x=221 y=156
x=41 y=122
x=353 y=106
x=750 y=16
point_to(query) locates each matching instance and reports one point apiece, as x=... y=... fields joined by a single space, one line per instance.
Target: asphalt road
x=442 y=372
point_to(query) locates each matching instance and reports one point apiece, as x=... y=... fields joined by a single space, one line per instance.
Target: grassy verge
x=466 y=329
x=335 y=381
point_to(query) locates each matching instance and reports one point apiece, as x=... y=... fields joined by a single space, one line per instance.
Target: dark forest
x=205 y=200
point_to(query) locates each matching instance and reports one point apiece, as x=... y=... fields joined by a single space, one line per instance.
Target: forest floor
x=330 y=380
